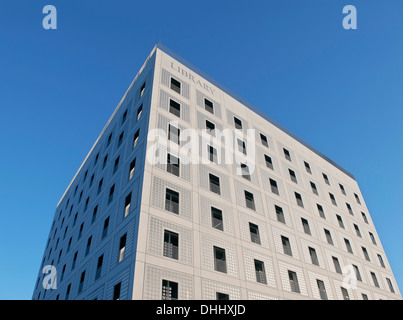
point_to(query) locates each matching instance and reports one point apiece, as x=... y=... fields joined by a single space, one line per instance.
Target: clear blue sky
x=341 y=91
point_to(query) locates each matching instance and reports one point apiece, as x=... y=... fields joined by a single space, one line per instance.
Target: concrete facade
x=168 y=235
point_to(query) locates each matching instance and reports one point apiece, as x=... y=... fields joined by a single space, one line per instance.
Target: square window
x=268 y=161
x=175 y=85
x=214 y=183
x=208 y=105
x=250 y=202
x=171 y=244
x=210 y=128
x=220 y=263
x=169 y=290
x=238 y=123
x=287 y=154
x=263 y=139
x=174 y=108
x=216 y=219
x=172 y=201
x=260 y=272
x=254 y=233
x=173 y=134
x=173 y=165
x=142 y=89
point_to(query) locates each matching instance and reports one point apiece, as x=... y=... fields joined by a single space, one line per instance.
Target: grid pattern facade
x=292 y=233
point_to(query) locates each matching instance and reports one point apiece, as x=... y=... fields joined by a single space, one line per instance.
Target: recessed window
x=336 y=265
x=350 y=210
x=80 y=232
x=292 y=276
x=314 y=256
x=314 y=189
x=357 y=273
x=328 y=237
x=122 y=247
x=357 y=198
x=364 y=217
x=292 y=175
x=131 y=168
x=381 y=261
x=106 y=227
x=326 y=178
x=279 y=214
x=273 y=186
x=220 y=263
x=340 y=221
x=238 y=123
x=208 y=105
x=85 y=206
x=96 y=161
x=139 y=112
x=120 y=139
x=321 y=211
x=268 y=161
x=175 y=85
x=116 y=165
x=333 y=199
x=305 y=226
x=245 y=171
x=348 y=245
x=73 y=265
x=81 y=284
x=390 y=285
x=124 y=117
x=260 y=272
x=212 y=154
x=241 y=146
x=222 y=296
x=307 y=167
x=357 y=230
x=128 y=201
x=105 y=161
x=88 y=248
x=216 y=219
x=249 y=200
x=344 y=293
x=287 y=154
x=116 y=291
x=111 y=193
x=298 y=198
x=173 y=133
x=374 y=279
x=174 y=108
x=322 y=289
x=366 y=255
x=343 y=191
x=172 y=201
x=142 y=89
x=254 y=233
x=372 y=238
x=173 y=164
x=136 y=138
x=99 y=267
x=171 y=244
x=364 y=296
x=210 y=128
x=109 y=140
x=263 y=139
x=169 y=290
x=214 y=183
x=286 y=246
